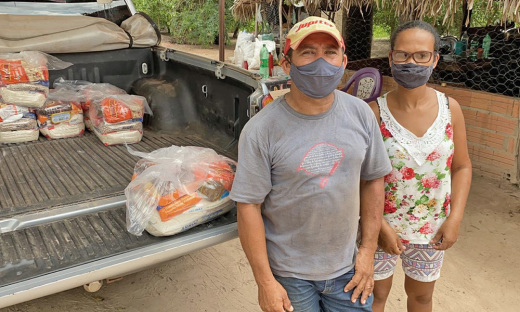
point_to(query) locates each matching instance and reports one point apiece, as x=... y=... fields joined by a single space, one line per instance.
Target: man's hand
x=363 y=280
x=273 y=297
x=389 y=241
x=446 y=235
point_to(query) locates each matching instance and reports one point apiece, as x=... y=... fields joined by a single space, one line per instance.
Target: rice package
x=176 y=188
x=61 y=117
x=118 y=119
x=17 y=124
x=24 y=77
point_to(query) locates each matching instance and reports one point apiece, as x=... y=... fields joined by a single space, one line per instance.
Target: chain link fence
x=464 y=64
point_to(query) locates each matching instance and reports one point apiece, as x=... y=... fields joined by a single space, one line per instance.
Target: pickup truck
x=62 y=206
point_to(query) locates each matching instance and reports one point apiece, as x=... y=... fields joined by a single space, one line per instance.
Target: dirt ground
x=480 y=272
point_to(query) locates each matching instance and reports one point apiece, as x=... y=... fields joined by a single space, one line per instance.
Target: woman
x=426 y=192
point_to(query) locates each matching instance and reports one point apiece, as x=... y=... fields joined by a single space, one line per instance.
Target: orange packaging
x=115 y=111
x=179 y=206
x=218 y=171
x=14 y=72
x=168 y=198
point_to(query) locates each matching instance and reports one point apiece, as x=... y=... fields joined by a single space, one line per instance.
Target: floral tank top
x=418 y=190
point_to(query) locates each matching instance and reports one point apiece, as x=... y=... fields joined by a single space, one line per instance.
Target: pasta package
x=59 y=119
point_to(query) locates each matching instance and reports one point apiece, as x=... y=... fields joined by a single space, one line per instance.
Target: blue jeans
x=323 y=296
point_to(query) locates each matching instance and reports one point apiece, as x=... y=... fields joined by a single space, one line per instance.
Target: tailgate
x=62 y=216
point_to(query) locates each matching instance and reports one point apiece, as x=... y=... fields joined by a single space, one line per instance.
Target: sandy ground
x=481 y=272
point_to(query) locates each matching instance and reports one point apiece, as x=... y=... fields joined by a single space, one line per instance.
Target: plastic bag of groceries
x=117 y=119
x=86 y=93
x=17 y=124
x=24 y=77
x=176 y=188
x=61 y=116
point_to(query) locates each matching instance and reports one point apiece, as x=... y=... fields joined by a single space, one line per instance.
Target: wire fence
x=487 y=59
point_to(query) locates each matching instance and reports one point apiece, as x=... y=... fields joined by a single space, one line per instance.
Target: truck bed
x=49 y=173
x=79 y=173
x=62 y=205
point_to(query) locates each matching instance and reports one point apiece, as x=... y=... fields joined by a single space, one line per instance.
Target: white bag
x=254 y=62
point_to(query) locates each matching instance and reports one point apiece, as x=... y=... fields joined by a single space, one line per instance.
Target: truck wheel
x=93 y=287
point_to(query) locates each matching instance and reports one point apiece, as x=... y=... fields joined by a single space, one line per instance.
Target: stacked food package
x=176 y=188
x=17 y=124
x=95 y=91
x=118 y=119
x=86 y=92
x=24 y=89
x=61 y=116
x=113 y=115
x=24 y=79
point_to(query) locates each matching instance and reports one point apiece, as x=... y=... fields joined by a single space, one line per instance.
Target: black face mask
x=411 y=75
x=317 y=79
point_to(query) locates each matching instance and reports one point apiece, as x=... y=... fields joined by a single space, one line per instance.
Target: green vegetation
x=385 y=21
x=197 y=21
x=188 y=21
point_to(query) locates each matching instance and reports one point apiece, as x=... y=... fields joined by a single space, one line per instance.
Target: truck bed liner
x=48 y=173
x=52 y=247
x=52 y=173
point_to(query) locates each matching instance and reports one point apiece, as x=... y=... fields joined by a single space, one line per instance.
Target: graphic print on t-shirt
x=322 y=160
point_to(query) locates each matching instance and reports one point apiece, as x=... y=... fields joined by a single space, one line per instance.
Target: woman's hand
x=446 y=235
x=389 y=241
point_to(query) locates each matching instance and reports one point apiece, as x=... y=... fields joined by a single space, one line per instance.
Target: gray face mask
x=411 y=75
x=317 y=79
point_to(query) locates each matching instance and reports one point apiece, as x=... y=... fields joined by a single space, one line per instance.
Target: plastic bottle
x=271 y=64
x=473 y=49
x=264 y=62
x=464 y=39
x=486 y=45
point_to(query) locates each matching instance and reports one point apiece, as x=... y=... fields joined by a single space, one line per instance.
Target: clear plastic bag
x=24 y=77
x=87 y=91
x=118 y=108
x=117 y=119
x=61 y=116
x=17 y=124
x=173 y=182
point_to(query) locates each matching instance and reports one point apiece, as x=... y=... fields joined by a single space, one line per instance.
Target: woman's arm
x=460 y=181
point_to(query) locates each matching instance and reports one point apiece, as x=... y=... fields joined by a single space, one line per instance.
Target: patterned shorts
x=420 y=262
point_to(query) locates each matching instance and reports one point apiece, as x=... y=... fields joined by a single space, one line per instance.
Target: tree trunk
x=357 y=32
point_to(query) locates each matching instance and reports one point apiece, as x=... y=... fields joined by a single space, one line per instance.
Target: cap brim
x=297 y=43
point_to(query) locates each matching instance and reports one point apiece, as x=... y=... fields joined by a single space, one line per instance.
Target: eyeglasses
x=419 y=57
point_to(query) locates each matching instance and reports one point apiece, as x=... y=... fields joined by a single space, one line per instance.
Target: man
x=309 y=165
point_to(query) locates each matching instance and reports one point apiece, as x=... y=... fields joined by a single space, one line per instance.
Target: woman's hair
x=416 y=24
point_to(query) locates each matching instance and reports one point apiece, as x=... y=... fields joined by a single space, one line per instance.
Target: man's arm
x=271 y=295
x=372 y=201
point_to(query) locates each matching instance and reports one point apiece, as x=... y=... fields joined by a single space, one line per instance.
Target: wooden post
x=222 y=30
x=466 y=16
x=257 y=6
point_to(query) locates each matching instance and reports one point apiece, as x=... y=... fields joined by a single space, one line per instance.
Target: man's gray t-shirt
x=306 y=171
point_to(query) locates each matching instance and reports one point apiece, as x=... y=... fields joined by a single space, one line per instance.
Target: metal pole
x=221 y=34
